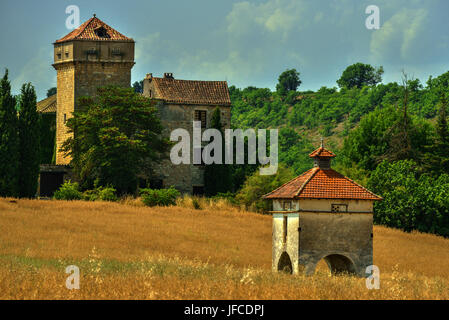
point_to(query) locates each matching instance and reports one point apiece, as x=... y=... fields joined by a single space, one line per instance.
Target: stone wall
x=344 y=240
x=184 y=177
x=80 y=73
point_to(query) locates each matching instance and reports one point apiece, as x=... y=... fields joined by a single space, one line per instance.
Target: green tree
x=359 y=75
x=117 y=136
x=412 y=201
x=29 y=142
x=51 y=91
x=257 y=185
x=217 y=177
x=138 y=86
x=9 y=141
x=288 y=81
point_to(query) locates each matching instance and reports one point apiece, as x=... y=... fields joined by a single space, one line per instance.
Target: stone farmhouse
x=322 y=214
x=95 y=55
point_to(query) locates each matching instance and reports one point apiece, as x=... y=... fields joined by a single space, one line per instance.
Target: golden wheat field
x=126 y=251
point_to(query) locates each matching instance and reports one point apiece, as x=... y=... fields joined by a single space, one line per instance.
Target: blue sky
x=243 y=42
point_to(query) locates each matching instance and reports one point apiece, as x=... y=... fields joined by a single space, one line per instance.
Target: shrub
x=196 y=204
x=90 y=195
x=162 y=197
x=100 y=193
x=107 y=194
x=68 y=191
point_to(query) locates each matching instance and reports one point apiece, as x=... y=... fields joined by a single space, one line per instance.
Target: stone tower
x=321 y=214
x=91 y=56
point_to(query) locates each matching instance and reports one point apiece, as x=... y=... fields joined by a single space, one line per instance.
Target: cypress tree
x=217 y=177
x=9 y=140
x=29 y=151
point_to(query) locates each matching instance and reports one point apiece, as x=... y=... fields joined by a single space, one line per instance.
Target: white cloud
x=38 y=71
x=401 y=37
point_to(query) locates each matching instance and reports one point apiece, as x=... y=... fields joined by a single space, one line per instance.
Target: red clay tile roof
x=47 y=105
x=87 y=32
x=192 y=91
x=322 y=152
x=320 y=183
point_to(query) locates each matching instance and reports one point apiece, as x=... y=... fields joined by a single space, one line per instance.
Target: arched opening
x=285 y=264
x=337 y=264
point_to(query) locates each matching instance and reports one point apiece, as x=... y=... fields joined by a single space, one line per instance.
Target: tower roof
x=94 y=29
x=321 y=152
x=320 y=183
x=191 y=91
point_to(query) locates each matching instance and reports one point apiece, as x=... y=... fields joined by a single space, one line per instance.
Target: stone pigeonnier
x=322 y=214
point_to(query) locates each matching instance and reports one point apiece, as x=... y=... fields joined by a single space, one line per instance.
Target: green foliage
x=229 y=196
x=412 y=201
x=161 y=197
x=100 y=193
x=288 y=81
x=47 y=135
x=196 y=203
x=117 y=135
x=359 y=75
x=217 y=177
x=29 y=151
x=68 y=191
x=138 y=86
x=9 y=141
x=294 y=150
x=257 y=185
x=371 y=142
x=51 y=91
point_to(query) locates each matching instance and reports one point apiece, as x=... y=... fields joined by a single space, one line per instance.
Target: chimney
x=168 y=75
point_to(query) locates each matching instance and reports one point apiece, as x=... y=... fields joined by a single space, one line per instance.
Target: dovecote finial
x=322 y=142
x=95 y=15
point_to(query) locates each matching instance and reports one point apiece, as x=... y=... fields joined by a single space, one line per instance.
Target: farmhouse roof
x=322 y=183
x=48 y=105
x=89 y=30
x=191 y=91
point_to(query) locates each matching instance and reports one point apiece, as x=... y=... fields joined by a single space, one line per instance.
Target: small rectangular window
x=285 y=229
x=201 y=115
x=65 y=117
x=339 y=208
x=59 y=56
x=287 y=205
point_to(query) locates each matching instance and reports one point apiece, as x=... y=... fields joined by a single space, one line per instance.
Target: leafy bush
x=162 y=197
x=100 y=193
x=90 y=195
x=257 y=185
x=412 y=201
x=68 y=191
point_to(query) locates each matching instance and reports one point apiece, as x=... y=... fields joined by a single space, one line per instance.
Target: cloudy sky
x=244 y=42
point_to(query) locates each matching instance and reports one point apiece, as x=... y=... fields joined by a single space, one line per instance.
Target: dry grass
x=125 y=251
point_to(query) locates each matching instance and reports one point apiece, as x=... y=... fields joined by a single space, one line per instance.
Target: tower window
x=101 y=32
x=284 y=240
x=339 y=208
x=201 y=115
x=65 y=117
x=115 y=51
x=59 y=56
